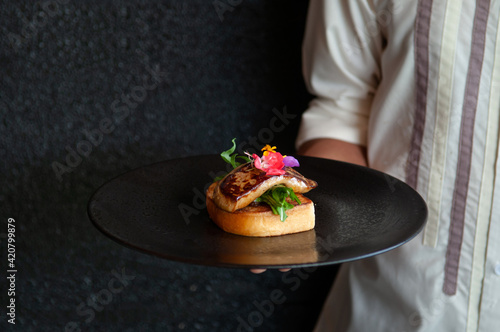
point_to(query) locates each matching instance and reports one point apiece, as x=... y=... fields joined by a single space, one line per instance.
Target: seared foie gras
x=246 y=183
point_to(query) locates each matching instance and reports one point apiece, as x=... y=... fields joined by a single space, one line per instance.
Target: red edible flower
x=272 y=163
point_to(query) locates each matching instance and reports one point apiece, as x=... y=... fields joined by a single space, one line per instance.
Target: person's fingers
x=258 y=271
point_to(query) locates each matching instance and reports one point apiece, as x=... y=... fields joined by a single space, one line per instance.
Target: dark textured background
x=65 y=68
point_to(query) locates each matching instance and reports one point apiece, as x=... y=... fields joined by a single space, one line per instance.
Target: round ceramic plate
x=160 y=209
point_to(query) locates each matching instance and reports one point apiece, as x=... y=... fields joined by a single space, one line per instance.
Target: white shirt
x=418 y=83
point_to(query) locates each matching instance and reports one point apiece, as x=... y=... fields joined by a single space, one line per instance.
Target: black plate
x=160 y=209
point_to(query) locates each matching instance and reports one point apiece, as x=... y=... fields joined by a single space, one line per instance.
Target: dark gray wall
x=150 y=81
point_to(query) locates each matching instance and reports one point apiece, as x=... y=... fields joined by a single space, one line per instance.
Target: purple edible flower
x=290 y=161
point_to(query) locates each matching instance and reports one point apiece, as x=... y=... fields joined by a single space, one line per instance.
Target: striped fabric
x=465 y=153
x=485 y=210
x=451 y=29
x=422 y=24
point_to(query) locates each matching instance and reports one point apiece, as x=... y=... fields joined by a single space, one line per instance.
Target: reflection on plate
x=290 y=249
x=160 y=209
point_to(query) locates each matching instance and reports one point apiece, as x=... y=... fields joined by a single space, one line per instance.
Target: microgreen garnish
x=230 y=157
x=276 y=198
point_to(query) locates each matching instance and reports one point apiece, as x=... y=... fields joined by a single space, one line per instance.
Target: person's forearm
x=335 y=149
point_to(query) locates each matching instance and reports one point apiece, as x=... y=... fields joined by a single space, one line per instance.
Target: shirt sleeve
x=342 y=47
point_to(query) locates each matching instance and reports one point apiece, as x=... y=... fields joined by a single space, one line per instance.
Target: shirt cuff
x=345 y=120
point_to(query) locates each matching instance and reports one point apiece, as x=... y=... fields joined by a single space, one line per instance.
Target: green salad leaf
x=276 y=198
x=231 y=158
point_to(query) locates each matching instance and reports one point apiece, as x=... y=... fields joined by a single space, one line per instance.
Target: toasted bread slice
x=259 y=220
